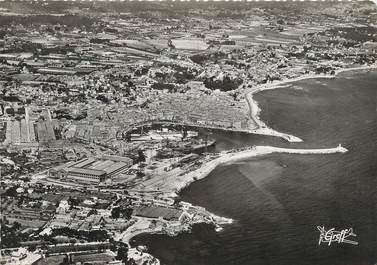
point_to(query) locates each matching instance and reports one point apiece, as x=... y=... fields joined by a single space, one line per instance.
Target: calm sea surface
x=277 y=201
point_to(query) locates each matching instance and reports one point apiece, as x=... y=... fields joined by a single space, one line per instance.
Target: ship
x=164 y=134
x=203 y=144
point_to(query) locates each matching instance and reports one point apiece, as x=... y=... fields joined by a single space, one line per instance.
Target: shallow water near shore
x=277 y=201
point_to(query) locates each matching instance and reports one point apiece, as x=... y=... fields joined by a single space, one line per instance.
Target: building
x=91 y=170
x=18 y=256
x=56 y=71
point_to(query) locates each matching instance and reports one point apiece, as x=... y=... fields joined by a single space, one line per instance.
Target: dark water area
x=231 y=140
x=277 y=201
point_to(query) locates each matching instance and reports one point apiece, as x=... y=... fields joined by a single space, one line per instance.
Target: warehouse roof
x=87 y=171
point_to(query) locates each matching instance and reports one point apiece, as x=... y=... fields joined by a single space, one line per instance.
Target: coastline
x=143 y=225
x=228 y=157
x=254 y=109
x=173 y=186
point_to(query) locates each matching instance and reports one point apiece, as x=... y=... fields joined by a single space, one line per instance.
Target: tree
x=140 y=174
x=32 y=248
x=113 y=246
x=11 y=192
x=184 y=134
x=97 y=235
x=115 y=212
x=141 y=156
x=127 y=213
x=122 y=253
x=16 y=225
x=92 y=211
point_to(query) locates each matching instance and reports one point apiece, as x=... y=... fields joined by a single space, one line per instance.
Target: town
x=103 y=106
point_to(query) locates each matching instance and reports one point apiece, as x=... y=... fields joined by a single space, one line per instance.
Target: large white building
x=91 y=170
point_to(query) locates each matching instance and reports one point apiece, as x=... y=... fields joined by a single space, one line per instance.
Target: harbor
x=286 y=194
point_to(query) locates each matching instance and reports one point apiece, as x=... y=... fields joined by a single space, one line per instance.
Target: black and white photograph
x=188 y=132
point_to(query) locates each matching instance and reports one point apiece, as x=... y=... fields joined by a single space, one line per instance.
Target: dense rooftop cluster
x=83 y=85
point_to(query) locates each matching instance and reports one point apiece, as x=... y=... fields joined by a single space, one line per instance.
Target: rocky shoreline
x=181 y=182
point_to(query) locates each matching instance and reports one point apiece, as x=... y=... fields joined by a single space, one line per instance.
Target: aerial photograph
x=188 y=132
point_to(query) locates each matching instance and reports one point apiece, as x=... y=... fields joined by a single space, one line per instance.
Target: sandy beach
x=170 y=185
x=255 y=110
